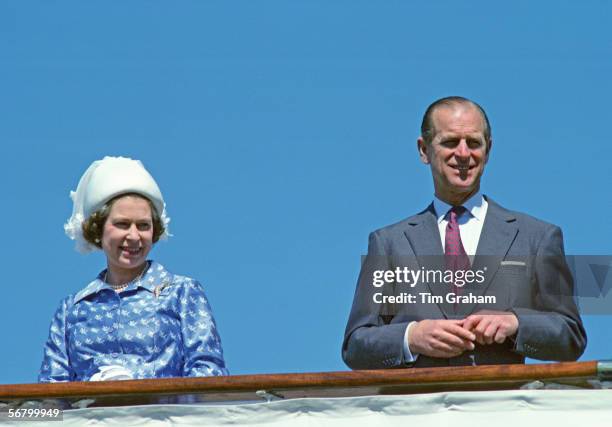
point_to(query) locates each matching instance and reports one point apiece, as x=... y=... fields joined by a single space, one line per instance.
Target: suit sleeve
x=370 y=340
x=552 y=328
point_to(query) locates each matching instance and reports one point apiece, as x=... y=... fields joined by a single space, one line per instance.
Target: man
x=519 y=302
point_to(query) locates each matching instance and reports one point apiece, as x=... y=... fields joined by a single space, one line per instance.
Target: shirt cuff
x=409 y=357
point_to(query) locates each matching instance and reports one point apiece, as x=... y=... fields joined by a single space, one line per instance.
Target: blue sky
x=282 y=133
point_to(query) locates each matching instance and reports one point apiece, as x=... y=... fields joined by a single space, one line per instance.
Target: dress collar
x=155 y=277
x=475 y=205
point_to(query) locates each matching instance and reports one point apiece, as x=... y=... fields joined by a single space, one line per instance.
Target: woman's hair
x=93 y=227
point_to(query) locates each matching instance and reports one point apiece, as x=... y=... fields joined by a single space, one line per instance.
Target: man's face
x=458 y=152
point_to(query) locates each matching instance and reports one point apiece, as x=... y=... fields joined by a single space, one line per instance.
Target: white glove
x=112 y=373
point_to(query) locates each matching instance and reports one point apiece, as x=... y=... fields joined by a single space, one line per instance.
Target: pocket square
x=520 y=263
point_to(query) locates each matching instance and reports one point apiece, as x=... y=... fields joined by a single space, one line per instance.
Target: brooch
x=160 y=288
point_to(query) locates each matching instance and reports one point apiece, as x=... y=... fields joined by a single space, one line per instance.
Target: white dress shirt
x=470 y=223
x=470 y=227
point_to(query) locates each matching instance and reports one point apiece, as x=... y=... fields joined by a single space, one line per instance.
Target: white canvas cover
x=514 y=408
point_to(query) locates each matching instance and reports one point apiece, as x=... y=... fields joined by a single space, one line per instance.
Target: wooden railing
x=322 y=384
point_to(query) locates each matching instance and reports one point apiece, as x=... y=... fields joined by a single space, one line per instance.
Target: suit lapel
x=423 y=233
x=498 y=232
x=424 y=237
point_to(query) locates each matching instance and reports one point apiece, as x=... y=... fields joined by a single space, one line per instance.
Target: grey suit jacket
x=525 y=269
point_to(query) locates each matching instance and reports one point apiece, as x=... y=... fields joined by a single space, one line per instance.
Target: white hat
x=104 y=180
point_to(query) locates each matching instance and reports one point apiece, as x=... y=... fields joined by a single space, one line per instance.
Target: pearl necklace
x=123 y=286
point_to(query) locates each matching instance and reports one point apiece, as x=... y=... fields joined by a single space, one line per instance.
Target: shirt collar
x=154 y=278
x=475 y=205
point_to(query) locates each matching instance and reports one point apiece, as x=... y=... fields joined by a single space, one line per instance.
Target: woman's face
x=128 y=234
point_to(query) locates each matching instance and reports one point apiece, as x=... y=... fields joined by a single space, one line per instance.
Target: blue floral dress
x=160 y=326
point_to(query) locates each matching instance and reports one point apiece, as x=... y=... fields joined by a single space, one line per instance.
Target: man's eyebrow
x=449 y=135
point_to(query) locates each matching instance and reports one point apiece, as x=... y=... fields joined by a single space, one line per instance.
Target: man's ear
x=489 y=146
x=422 y=146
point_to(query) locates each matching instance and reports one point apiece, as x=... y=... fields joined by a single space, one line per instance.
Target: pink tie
x=454 y=253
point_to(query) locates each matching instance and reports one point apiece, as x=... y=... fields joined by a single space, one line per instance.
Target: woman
x=135 y=320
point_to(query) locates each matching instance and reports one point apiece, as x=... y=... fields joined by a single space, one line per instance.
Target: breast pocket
x=516 y=281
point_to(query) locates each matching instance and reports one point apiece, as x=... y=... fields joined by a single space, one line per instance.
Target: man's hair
x=93 y=227
x=428 y=130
